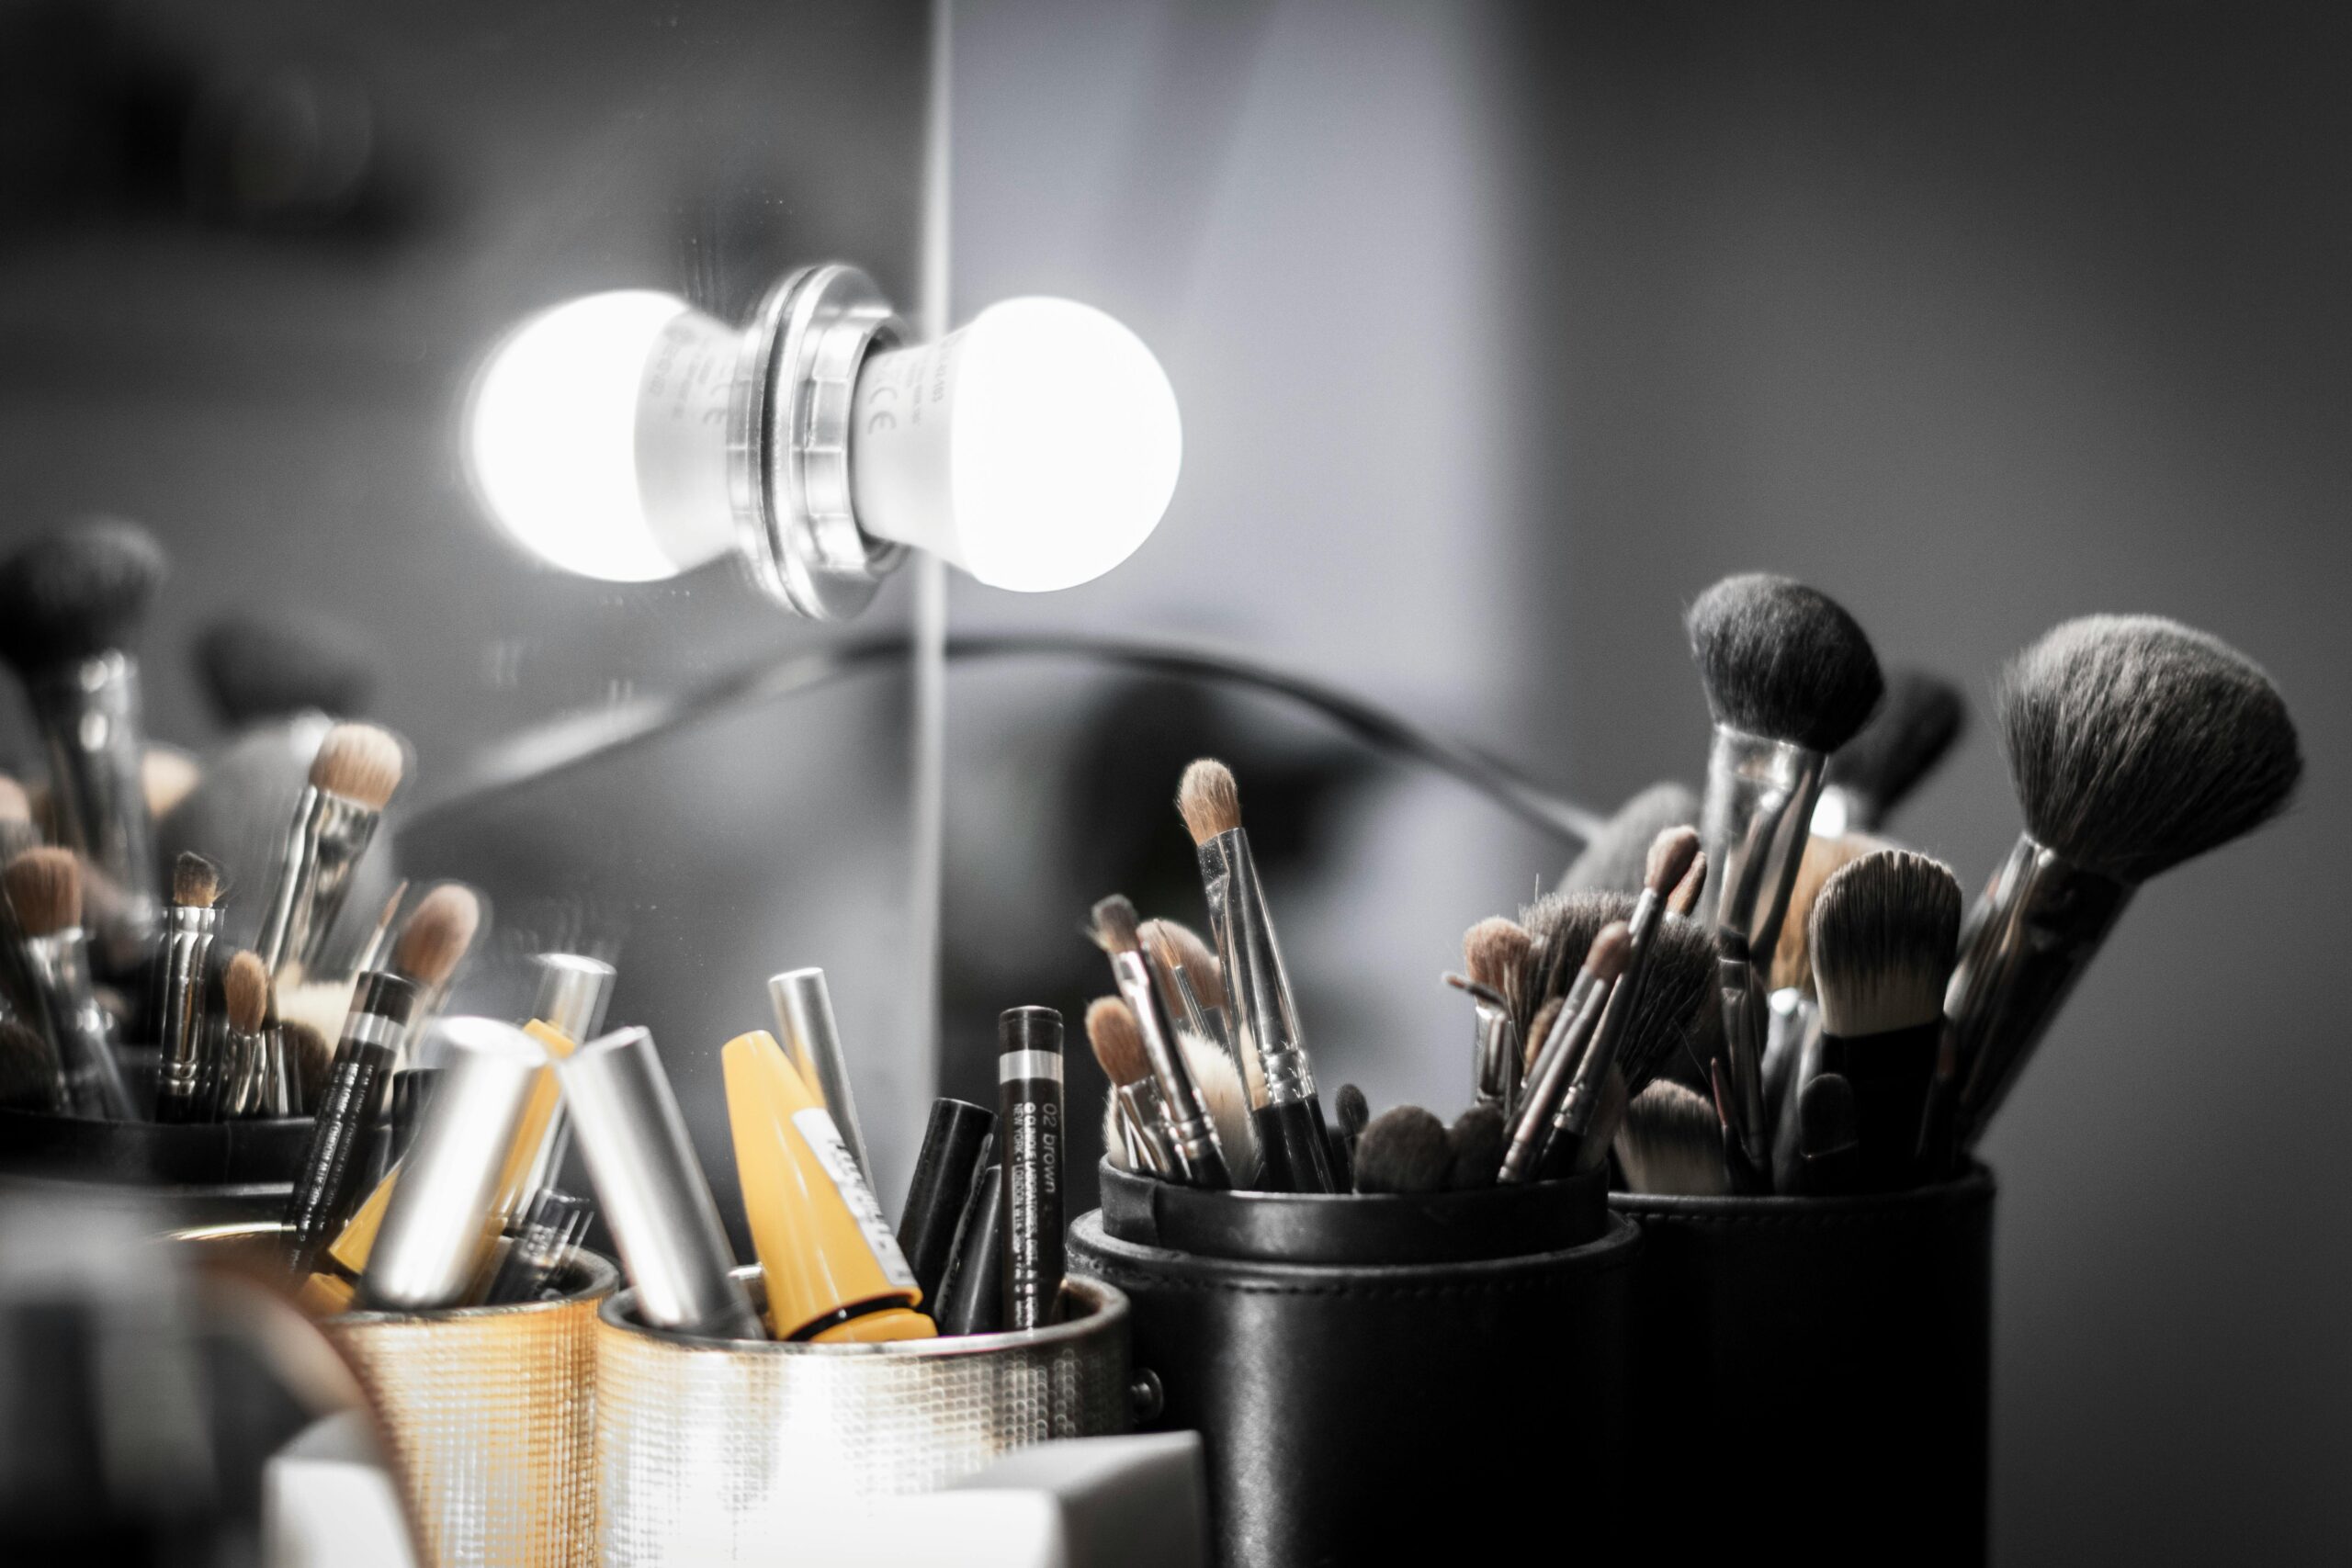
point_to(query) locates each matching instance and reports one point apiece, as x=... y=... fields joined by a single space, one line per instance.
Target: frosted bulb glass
x=597 y=435
x=1036 y=448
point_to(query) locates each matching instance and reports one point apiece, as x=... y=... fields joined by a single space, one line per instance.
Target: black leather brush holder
x=1374 y=1373
x=1815 y=1370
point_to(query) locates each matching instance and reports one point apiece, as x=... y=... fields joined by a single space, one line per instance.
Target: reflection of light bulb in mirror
x=629 y=437
x=1036 y=448
x=597 y=435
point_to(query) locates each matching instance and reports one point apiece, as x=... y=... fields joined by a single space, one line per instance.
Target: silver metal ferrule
x=789 y=440
x=1145 y=1128
x=1497 y=1057
x=652 y=1188
x=325 y=840
x=804 y=1015
x=1184 y=1115
x=182 y=1093
x=1757 y=816
x=1265 y=1021
x=58 y=965
x=2026 y=943
x=88 y=713
x=243 y=1065
x=440 y=1230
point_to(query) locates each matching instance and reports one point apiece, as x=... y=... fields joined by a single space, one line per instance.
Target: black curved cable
x=550 y=749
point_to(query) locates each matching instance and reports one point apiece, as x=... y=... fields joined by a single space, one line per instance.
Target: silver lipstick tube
x=89 y=717
x=651 y=1189
x=1265 y=1020
x=442 y=1222
x=328 y=836
x=804 y=1016
x=188 y=1075
x=1753 y=825
x=2027 y=942
x=58 y=965
x=1192 y=1150
x=572 y=995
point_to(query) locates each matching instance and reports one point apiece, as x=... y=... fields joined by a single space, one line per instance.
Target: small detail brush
x=1352 y=1111
x=1142 y=1143
x=1293 y=1145
x=1547 y=1081
x=247 y=1066
x=189 y=1076
x=1192 y=1140
x=353 y=778
x=44 y=889
x=432 y=942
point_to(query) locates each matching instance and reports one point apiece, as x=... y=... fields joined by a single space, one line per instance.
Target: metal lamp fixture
x=629 y=436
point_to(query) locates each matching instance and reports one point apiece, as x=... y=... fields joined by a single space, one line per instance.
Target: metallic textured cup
x=707 y=1450
x=489 y=1413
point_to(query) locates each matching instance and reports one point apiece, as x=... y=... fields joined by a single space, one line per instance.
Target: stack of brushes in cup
x=1741 y=992
x=466 y=1217
x=123 y=996
x=1838 y=1025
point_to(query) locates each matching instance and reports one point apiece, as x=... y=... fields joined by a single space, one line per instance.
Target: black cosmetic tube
x=1029 y=1109
x=945 y=1171
x=333 y=1175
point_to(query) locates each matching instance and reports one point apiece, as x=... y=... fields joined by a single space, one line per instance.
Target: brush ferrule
x=1497 y=1057
x=1141 y=1119
x=2026 y=941
x=325 y=840
x=243 y=1068
x=1184 y=1114
x=58 y=968
x=181 y=1092
x=1265 y=1019
x=88 y=713
x=1753 y=825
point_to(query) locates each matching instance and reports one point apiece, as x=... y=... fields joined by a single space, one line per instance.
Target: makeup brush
x=257 y=667
x=353 y=778
x=1138 y=1139
x=1561 y=927
x=1615 y=860
x=1884 y=933
x=2135 y=743
x=434 y=941
x=1294 y=1147
x=1184 y=971
x=309 y=1061
x=1404 y=1150
x=1672 y=1144
x=244 y=1060
x=1675 y=1022
x=1476 y=1146
x=1888 y=757
x=1221 y=1089
x=1496 y=952
x=28 y=1071
x=1547 y=1081
x=188 y=1080
x=1789 y=677
x=44 y=889
x=1684 y=899
x=1352 y=1112
x=1792 y=957
x=1193 y=1152
x=72 y=604
x=17 y=833
x=1829 y=1136
x=333 y=1177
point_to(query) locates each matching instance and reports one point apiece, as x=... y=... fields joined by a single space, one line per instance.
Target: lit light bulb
x=629 y=437
x=597 y=435
x=1036 y=448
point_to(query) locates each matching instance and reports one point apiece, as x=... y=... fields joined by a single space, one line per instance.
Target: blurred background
x=1499 y=332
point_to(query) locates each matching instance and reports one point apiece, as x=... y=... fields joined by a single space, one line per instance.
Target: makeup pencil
x=1029 y=1109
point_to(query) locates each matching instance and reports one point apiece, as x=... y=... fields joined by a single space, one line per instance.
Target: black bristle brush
x=1915 y=728
x=1404 y=1150
x=1884 y=932
x=1672 y=1144
x=1615 y=858
x=2135 y=743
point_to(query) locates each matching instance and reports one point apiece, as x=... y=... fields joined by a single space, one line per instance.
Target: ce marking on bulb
x=879 y=419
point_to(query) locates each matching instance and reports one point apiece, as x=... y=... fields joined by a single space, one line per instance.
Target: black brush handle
x=1891 y=1074
x=1295 y=1148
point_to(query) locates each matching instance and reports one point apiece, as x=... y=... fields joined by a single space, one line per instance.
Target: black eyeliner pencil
x=971 y=1295
x=942 y=1186
x=333 y=1174
x=1029 y=1109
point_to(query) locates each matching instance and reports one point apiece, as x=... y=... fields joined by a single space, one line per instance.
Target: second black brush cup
x=1371 y=1375
x=1816 y=1369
